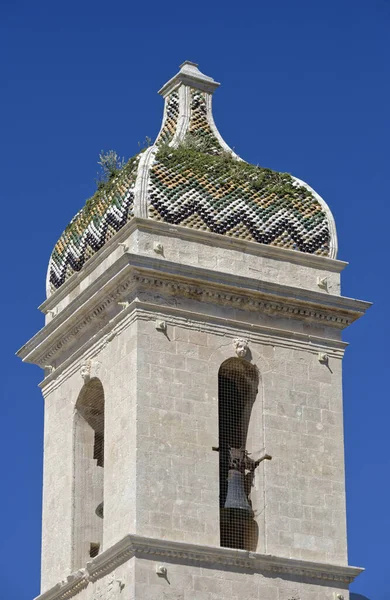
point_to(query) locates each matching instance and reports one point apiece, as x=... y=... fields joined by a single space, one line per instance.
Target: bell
x=236 y=496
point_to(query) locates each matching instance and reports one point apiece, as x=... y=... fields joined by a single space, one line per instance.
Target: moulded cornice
x=136 y=310
x=194 y=235
x=145 y=311
x=211 y=556
x=190 y=75
x=133 y=273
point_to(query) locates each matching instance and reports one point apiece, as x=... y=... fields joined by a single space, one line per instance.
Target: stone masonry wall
x=249 y=262
x=57 y=522
x=161 y=474
x=301 y=513
x=116 y=369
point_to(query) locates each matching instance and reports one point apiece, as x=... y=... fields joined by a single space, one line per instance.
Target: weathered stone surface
x=161 y=414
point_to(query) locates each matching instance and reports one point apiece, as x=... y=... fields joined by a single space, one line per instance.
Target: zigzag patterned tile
x=185 y=190
x=199 y=184
x=170 y=122
x=103 y=215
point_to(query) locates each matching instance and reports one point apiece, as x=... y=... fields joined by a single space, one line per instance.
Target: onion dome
x=190 y=177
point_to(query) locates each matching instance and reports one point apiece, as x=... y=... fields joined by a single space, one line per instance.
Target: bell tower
x=192 y=352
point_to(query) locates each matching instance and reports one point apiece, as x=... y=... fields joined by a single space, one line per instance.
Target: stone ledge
x=132 y=271
x=154 y=549
x=188 y=320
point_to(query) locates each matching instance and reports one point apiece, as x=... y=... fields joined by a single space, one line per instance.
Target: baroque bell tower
x=192 y=350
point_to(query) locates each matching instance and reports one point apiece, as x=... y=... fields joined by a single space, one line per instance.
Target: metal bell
x=236 y=496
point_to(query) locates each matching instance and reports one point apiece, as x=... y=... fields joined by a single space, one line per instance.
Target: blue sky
x=305 y=89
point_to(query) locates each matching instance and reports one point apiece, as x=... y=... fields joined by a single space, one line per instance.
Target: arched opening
x=88 y=473
x=238 y=383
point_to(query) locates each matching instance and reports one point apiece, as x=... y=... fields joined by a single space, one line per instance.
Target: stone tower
x=193 y=332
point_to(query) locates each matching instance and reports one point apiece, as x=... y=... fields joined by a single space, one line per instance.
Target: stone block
x=188 y=349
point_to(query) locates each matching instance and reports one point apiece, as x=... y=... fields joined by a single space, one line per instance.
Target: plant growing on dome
x=196 y=154
x=145 y=144
x=110 y=165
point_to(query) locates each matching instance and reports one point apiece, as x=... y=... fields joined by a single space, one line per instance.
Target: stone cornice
x=251 y=285
x=189 y=320
x=210 y=556
x=159 y=228
x=133 y=273
x=190 y=75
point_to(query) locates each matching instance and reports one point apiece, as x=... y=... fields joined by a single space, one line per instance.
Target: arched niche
x=88 y=473
x=240 y=437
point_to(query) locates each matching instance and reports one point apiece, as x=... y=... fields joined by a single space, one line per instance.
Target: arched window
x=238 y=383
x=88 y=473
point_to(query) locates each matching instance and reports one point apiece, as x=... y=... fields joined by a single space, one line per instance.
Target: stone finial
x=85 y=371
x=190 y=75
x=241 y=347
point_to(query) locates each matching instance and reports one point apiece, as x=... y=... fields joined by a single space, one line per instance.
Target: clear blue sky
x=305 y=89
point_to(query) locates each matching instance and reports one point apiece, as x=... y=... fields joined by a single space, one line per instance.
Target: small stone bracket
x=158 y=247
x=124 y=246
x=323 y=358
x=161 y=325
x=161 y=571
x=124 y=305
x=322 y=283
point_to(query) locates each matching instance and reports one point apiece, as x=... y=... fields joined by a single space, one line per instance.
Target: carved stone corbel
x=241 y=347
x=85 y=371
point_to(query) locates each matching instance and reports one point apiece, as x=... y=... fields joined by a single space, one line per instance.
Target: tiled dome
x=190 y=177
